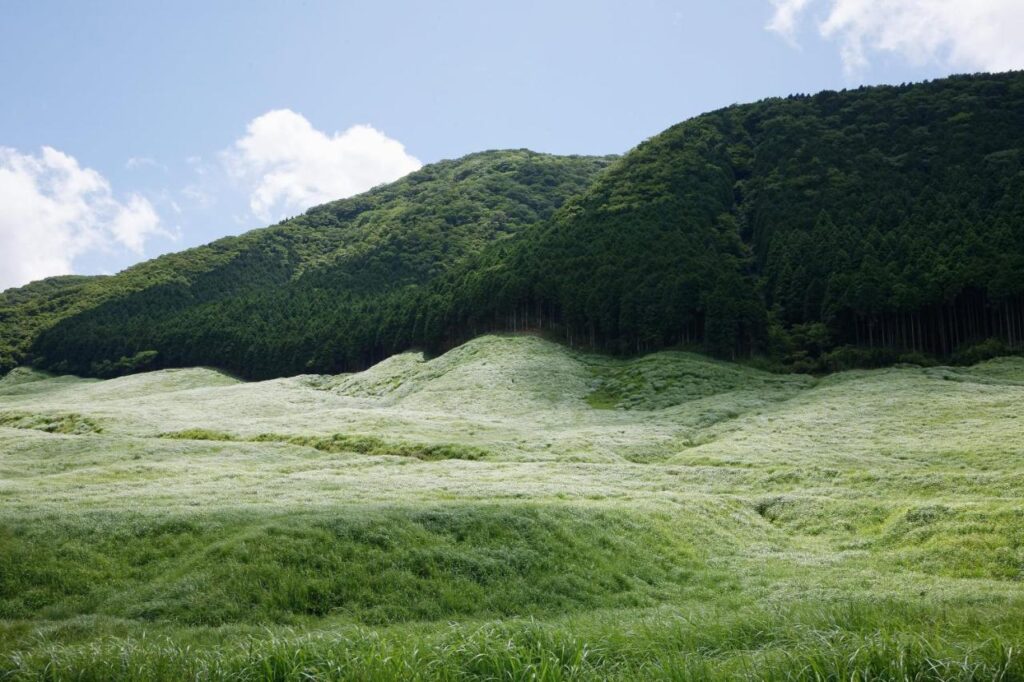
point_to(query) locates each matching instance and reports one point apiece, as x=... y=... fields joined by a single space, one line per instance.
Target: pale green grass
x=515 y=510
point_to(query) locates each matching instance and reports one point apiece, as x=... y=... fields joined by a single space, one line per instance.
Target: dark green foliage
x=141 y=361
x=845 y=228
x=649 y=256
x=27 y=310
x=979 y=352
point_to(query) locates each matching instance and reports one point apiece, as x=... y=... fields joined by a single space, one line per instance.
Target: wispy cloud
x=962 y=34
x=137 y=162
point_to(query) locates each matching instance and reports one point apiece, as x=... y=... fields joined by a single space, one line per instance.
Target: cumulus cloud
x=290 y=165
x=964 y=34
x=52 y=210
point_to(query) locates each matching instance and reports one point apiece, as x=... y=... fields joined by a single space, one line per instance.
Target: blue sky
x=171 y=124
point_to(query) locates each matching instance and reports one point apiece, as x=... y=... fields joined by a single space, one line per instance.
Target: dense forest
x=845 y=228
x=269 y=301
x=861 y=227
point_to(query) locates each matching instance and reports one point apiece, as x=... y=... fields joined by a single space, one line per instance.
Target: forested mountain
x=842 y=228
x=261 y=303
x=854 y=227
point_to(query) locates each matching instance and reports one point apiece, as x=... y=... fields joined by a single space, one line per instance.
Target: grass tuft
x=68 y=423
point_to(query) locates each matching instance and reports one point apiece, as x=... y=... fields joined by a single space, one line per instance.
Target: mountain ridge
x=853 y=228
x=390 y=236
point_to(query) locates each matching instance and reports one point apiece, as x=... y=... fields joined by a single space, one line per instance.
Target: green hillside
x=514 y=509
x=854 y=228
x=886 y=219
x=267 y=302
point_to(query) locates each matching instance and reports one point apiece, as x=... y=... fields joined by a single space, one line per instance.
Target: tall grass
x=473 y=516
x=869 y=642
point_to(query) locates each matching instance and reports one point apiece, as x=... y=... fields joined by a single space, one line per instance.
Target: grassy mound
x=158 y=383
x=965 y=541
x=21 y=375
x=669 y=378
x=372 y=565
x=504 y=374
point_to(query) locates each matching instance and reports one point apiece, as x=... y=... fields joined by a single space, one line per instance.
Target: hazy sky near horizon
x=129 y=129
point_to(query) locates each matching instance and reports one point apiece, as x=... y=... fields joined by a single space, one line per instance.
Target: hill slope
x=223 y=303
x=844 y=228
x=512 y=509
x=886 y=217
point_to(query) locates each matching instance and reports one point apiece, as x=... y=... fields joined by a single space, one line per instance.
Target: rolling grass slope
x=514 y=510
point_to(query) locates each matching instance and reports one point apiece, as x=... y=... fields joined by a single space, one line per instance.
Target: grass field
x=515 y=510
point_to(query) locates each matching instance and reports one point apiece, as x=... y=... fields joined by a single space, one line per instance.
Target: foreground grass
x=370 y=565
x=513 y=510
x=850 y=642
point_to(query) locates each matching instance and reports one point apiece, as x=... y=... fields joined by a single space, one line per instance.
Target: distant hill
x=888 y=221
x=233 y=302
x=850 y=228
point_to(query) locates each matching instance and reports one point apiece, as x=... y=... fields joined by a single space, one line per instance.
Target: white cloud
x=133 y=222
x=52 y=210
x=289 y=165
x=963 y=34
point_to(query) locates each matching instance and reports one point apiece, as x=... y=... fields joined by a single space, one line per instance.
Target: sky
x=130 y=129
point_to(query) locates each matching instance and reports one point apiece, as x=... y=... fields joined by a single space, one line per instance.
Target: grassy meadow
x=513 y=510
